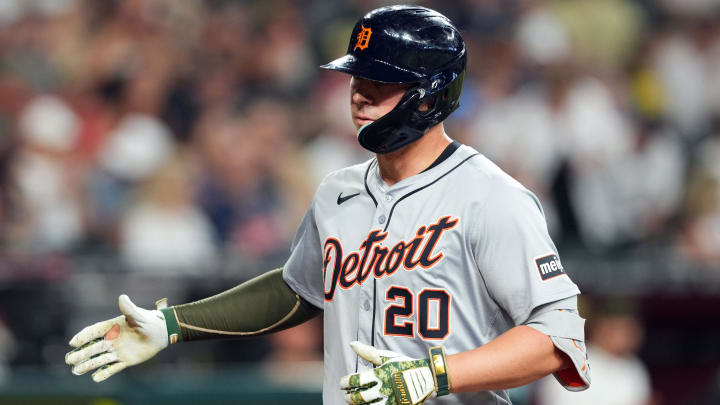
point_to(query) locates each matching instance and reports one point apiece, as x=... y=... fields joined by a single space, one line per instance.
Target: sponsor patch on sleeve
x=549 y=266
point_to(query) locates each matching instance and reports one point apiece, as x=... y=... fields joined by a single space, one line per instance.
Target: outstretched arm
x=260 y=306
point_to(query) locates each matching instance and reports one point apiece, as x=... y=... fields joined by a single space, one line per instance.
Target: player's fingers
x=364 y=397
x=350 y=381
x=94 y=363
x=104 y=372
x=367 y=352
x=86 y=351
x=368 y=395
x=355 y=398
x=94 y=331
x=92 y=342
x=362 y=380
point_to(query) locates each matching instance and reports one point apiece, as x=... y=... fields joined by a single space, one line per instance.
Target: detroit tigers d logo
x=363 y=38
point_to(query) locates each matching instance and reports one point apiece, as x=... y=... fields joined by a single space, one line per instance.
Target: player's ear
x=427 y=104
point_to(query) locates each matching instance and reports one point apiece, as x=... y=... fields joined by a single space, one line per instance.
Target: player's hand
x=111 y=346
x=396 y=379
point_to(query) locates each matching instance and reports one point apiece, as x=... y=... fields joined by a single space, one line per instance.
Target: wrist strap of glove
x=171 y=322
x=438 y=365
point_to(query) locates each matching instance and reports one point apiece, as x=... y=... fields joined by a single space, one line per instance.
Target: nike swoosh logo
x=342 y=199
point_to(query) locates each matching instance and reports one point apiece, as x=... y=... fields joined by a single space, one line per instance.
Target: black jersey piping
x=366 y=185
x=422 y=188
x=357 y=358
x=449 y=150
x=372 y=330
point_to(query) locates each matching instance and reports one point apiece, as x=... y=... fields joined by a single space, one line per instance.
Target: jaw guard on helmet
x=405 y=124
x=410 y=45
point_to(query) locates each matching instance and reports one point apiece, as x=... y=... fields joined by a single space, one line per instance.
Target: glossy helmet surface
x=410 y=45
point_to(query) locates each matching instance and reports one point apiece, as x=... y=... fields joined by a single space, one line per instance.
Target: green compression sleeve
x=257 y=307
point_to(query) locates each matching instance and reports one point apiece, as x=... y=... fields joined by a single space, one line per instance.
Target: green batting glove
x=111 y=346
x=396 y=379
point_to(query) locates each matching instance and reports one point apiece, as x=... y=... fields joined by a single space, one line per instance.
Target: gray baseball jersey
x=455 y=255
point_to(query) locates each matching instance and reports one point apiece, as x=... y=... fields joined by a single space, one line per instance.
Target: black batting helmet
x=413 y=45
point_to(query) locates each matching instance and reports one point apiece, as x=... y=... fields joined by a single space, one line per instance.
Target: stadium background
x=169 y=148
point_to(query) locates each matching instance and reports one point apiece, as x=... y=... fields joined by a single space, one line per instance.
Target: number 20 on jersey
x=433 y=313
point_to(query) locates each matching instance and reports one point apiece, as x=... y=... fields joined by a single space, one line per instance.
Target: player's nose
x=361 y=91
x=360 y=99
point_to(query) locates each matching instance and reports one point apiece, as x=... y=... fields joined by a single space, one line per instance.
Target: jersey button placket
x=365 y=316
x=365 y=300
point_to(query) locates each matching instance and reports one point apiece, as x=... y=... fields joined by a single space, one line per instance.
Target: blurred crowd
x=176 y=136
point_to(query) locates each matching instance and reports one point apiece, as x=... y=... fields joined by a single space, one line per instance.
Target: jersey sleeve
x=561 y=321
x=515 y=255
x=303 y=269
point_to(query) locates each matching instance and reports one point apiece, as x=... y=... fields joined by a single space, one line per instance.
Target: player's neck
x=414 y=158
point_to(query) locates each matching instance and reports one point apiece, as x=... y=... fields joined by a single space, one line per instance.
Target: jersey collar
x=377 y=185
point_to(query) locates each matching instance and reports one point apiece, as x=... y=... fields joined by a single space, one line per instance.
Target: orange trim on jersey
x=436 y=230
x=412 y=248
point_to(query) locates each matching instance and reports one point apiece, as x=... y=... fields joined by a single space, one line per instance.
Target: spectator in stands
x=131 y=153
x=51 y=218
x=252 y=188
x=699 y=239
x=163 y=230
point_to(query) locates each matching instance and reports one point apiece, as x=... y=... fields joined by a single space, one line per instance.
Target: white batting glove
x=111 y=346
x=396 y=379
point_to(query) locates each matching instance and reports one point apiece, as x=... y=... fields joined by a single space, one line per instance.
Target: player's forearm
x=517 y=357
x=259 y=306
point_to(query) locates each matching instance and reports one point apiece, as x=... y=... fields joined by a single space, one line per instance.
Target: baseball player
x=433 y=269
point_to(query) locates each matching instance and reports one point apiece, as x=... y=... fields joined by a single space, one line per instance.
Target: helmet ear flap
x=444 y=103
